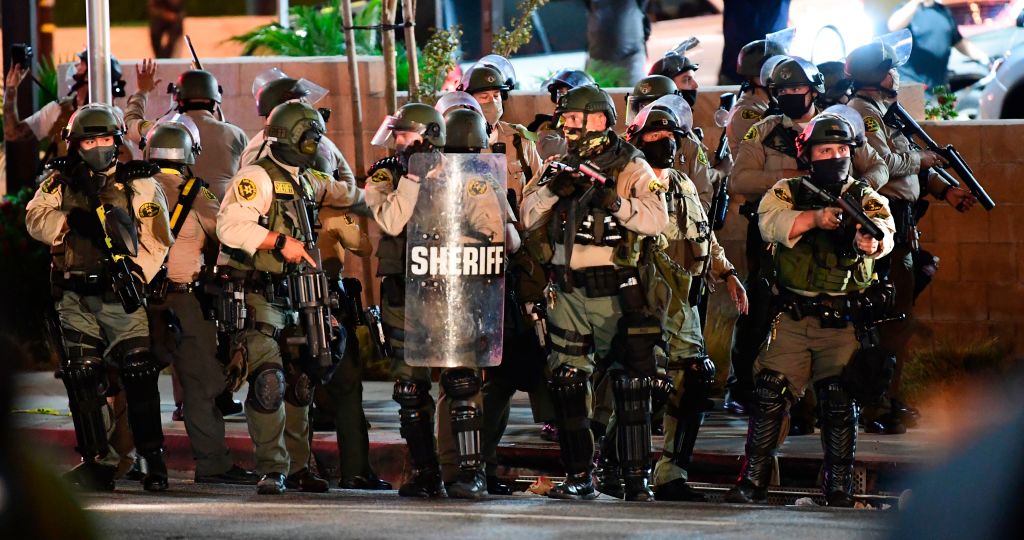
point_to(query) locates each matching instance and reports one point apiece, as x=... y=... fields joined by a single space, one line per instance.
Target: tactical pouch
x=597 y=282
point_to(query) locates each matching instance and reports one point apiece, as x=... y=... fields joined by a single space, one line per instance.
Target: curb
x=390 y=460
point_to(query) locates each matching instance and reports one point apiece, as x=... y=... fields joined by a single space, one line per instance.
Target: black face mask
x=830 y=174
x=661 y=153
x=99 y=158
x=793 y=105
x=690 y=96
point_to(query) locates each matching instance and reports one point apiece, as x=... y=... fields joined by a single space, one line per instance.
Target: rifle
x=850 y=207
x=898 y=117
x=720 y=204
x=311 y=297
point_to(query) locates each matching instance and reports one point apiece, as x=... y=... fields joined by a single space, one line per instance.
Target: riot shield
x=455 y=261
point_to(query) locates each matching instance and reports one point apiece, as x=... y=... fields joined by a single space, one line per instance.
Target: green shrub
x=950 y=363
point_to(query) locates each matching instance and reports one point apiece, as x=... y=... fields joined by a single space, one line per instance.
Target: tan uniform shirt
x=186 y=257
x=517 y=179
x=676 y=234
x=758 y=167
x=252 y=192
x=47 y=223
x=893 y=146
x=748 y=110
x=776 y=217
x=643 y=211
x=222 y=143
x=692 y=159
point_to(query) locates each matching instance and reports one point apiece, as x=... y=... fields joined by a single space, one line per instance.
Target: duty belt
x=833 y=311
x=175 y=287
x=597 y=281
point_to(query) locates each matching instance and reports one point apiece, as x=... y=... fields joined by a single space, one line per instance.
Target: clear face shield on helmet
x=780 y=40
x=852 y=116
x=635 y=104
x=457 y=99
x=902 y=44
x=672 y=103
x=313 y=92
x=391 y=124
x=174 y=154
x=502 y=65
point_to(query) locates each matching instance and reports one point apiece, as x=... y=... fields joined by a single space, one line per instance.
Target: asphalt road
x=190 y=511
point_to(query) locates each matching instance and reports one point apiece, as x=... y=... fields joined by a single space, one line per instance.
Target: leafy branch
x=508 y=41
x=439 y=58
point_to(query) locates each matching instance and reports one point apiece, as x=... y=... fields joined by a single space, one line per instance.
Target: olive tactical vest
x=279 y=219
x=816 y=263
x=80 y=253
x=597 y=226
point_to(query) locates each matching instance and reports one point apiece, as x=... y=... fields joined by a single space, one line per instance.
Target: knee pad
x=661 y=391
x=136 y=362
x=835 y=403
x=410 y=394
x=569 y=392
x=771 y=389
x=266 y=389
x=460 y=383
x=299 y=388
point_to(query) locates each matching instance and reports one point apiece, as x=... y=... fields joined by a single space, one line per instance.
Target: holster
x=904 y=215
x=832 y=311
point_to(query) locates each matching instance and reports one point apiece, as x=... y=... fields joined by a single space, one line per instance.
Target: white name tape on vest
x=457 y=261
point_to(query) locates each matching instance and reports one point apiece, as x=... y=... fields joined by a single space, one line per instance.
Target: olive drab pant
x=281 y=437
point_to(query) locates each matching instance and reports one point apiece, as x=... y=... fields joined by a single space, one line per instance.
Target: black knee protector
x=662 y=388
x=635 y=342
x=698 y=378
x=460 y=383
x=771 y=399
x=299 y=388
x=569 y=396
x=140 y=371
x=460 y=386
x=85 y=379
x=633 y=421
x=414 y=409
x=266 y=389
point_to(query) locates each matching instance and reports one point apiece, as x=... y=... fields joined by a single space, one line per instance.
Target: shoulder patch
x=871 y=124
x=247 y=189
x=283 y=188
x=702 y=157
x=751 y=133
x=656 y=185
x=380 y=175
x=783 y=195
x=149 y=210
x=208 y=194
x=477 y=187
x=50 y=185
x=748 y=114
x=873 y=205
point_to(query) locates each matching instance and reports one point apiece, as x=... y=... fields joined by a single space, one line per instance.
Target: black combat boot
x=576 y=486
x=156 y=471
x=608 y=478
x=92 y=476
x=469 y=484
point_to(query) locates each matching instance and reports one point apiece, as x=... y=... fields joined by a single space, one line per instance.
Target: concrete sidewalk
x=884 y=459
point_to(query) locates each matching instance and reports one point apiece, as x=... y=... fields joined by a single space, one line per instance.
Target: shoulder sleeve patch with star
x=783 y=195
x=149 y=210
x=247 y=189
x=751 y=133
x=748 y=114
x=871 y=124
